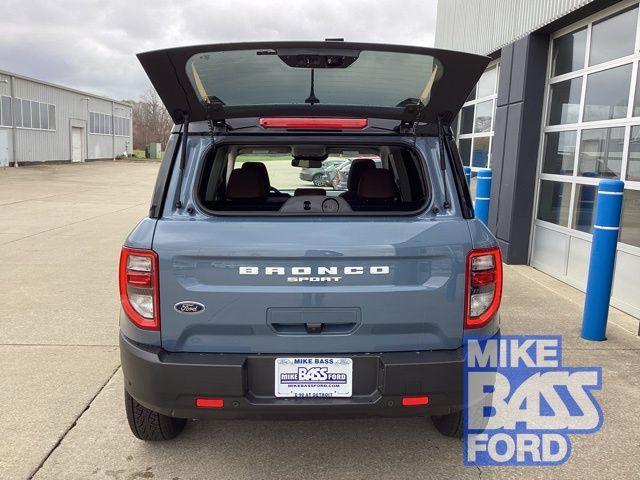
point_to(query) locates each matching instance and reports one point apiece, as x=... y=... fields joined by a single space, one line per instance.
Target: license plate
x=313 y=377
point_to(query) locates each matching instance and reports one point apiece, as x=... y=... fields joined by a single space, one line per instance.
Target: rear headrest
x=377 y=183
x=245 y=184
x=309 y=191
x=261 y=170
x=358 y=166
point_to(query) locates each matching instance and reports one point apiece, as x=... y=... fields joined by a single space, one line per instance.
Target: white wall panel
x=484 y=26
x=578 y=264
x=626 y=292
x=550 y=250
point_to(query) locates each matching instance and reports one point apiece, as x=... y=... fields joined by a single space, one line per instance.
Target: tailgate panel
x=398 y=289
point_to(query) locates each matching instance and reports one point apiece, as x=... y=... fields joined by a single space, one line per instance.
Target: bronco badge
x=189 y=307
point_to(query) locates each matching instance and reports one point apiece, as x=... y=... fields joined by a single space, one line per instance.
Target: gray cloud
x=91 y=44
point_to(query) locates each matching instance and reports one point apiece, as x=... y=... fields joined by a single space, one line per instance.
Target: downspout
x=113 y=135
x=13 y=122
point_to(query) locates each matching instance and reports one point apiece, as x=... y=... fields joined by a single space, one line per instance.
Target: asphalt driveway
x=61 y=228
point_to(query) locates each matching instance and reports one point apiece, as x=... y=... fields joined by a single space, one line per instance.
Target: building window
x=592 y=128
x=559 y=152
x=553 y=202
x=121 y=126
x=564 y=100
x=5 y=111
x=35 y=115
x=613 y=37
x=52 y=117
x=568 y=52
x=475 y=122
x=99 y=123
x=17 y=112
x=607 y=94
x=630 y=231
x=104 y=124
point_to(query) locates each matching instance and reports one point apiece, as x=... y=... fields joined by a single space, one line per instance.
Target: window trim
x=12 y=121
x=110 y=124
x=210 y=149
x=473 y=135
x=21 y=99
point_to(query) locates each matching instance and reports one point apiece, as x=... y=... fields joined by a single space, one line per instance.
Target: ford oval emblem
x=189 y=307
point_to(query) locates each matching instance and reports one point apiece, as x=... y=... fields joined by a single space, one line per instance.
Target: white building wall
x=71 y=109
x=485 y=26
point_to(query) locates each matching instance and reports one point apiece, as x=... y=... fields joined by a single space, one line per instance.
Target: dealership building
x=557 y=110
x=42 y=122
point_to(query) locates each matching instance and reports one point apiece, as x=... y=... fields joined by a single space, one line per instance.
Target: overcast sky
x=91 y=44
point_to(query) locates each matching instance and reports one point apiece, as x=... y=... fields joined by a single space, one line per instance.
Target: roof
x=62 y=87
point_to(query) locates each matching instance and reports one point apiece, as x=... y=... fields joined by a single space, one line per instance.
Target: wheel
x=449 y=425
x=149 y=425
x=317 y=180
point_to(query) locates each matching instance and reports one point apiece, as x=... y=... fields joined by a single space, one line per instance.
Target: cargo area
x=264 y=178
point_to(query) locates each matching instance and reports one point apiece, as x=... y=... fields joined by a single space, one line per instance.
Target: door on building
x=76 y=144
x=591 y=132
x=5 y=151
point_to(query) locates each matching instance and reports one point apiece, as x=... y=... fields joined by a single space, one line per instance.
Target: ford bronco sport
x=245 y=295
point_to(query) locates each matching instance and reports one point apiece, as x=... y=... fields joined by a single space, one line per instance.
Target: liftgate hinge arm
x=444 y=135
x=183 y=158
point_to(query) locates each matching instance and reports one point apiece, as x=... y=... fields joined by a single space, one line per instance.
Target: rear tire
x=449 y=425
x=149 y=425
x=317 y=180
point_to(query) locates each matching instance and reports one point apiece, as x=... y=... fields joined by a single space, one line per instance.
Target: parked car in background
x=340 y=180
x=317 y=175
x=331 y=172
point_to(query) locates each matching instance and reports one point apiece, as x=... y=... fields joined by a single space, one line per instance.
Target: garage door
x=592 y=132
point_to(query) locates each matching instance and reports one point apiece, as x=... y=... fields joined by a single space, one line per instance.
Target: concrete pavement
x=61 y=228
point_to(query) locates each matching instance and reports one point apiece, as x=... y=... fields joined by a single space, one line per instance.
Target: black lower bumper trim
x=169 y=383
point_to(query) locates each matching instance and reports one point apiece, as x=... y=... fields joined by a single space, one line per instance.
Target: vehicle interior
x=265 y=179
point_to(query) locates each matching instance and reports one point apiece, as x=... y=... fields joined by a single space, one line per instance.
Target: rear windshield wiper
x=312 y=99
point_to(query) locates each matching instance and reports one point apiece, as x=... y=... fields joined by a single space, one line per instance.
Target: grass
x=141 y=154
x=263 y=158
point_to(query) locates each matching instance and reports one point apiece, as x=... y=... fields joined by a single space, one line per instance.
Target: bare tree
x=151 y=121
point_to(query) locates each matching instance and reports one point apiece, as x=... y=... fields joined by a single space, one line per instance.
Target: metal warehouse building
x=557 y=110
x=41 y=122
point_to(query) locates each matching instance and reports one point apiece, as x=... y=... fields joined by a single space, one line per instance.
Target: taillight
x=139 y=287
x=314 y=123
x=483 y=286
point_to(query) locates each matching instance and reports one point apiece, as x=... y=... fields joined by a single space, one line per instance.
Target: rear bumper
x=170 y=382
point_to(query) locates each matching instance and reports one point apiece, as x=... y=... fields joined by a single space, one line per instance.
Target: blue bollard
x=467 y=174
x=602 y=261
x=483 y=194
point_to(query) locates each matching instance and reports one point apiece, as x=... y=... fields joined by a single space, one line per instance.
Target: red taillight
x=139 y=294
x=415 y=401
x=483 y=286
x=139 y=279
x=313 y=123
x=480 y=279
x=203 y=402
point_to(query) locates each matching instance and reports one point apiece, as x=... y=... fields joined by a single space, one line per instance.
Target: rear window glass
x=267 y=77
x=298 y=179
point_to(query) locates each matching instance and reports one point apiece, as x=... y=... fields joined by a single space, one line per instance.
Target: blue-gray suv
x=246 y=295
